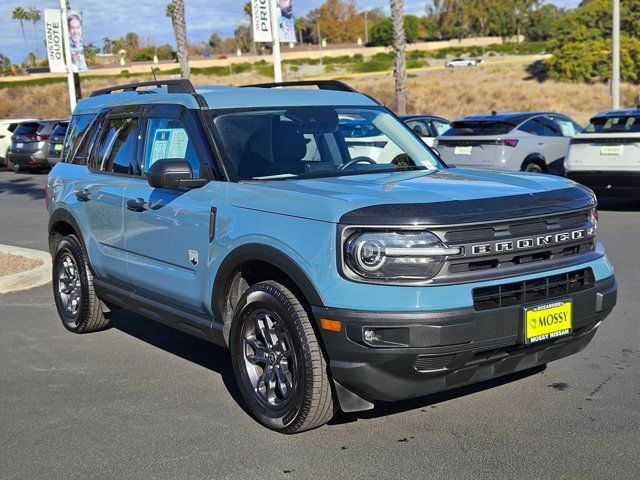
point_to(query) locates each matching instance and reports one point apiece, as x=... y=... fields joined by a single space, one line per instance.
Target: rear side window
x=117 y=145
x=60 y=129
x=621 y=124
x=464 y=128
x=75 y=133
x=12 y=127
x=440 y=126
x=540 y=126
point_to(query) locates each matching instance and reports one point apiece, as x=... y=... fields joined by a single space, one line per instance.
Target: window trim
x=91 y=161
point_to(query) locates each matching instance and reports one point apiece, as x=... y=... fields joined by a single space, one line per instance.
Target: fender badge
x=193 y=257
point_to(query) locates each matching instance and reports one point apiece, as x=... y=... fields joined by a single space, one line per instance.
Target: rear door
x=99 y=194
x=167 y=232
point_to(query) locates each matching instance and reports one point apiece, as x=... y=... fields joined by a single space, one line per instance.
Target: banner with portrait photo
x=75 y=29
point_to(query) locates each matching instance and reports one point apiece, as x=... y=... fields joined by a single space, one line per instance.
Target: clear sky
x=114 y=18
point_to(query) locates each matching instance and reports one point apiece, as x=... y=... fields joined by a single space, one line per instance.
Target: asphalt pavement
x=144 y=401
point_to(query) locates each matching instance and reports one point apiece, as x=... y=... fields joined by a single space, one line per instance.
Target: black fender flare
x=263 y=253
x=62 y=215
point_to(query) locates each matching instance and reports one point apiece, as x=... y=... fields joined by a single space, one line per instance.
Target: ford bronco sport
x=240 y=215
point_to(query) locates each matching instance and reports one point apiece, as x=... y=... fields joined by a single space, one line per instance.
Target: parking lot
x=143 y=401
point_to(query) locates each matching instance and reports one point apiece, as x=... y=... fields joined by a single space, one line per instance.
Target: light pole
x=275 y=29
x=366 y=27
x=615 y=63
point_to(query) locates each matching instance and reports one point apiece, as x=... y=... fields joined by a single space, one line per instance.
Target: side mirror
x=418 y=130
x=173 y=173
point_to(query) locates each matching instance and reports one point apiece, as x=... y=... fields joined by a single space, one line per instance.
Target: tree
x=33 y=14
x=339 y=19
x=5 y=65
x=399 y=60
x=242 y=37
x=382 y=32
x=175 y=10
x=215 y=42
x=248 y=10
x=20 y=14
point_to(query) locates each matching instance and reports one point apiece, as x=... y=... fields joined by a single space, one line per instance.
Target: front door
x=167 y=230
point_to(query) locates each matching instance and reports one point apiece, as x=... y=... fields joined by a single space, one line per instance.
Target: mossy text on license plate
x=548 y=321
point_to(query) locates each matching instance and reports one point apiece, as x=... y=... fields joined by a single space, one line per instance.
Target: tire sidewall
x=70 y=246
x=535 y=168
x=252 y=300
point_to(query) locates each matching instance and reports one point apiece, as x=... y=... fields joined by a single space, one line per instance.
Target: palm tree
x=175 y=10
x=20 y=14
x=399 y=60
x=248 y=10
x=34 y=15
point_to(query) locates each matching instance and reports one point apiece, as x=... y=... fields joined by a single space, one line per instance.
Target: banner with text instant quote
x=54 y=39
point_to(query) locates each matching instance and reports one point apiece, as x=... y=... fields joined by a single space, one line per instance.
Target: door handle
x=83 y=195
x=137 y=205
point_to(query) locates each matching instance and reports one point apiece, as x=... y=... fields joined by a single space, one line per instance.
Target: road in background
x=144 y=401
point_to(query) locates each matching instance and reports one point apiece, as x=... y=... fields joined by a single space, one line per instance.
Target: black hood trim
x=456 y=212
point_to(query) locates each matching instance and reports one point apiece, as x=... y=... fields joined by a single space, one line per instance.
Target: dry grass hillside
x=451 y=94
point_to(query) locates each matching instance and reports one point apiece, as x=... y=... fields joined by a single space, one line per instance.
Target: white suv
x=7 y=127
x=606 y=155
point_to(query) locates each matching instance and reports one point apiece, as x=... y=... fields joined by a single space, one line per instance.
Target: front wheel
x=277 y=360
x=78 y=305
x=532 y=167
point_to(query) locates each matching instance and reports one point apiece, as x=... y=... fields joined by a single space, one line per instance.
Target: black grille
x=526 y=228
x=520 y=293
x=425 y=363
x=471 y=235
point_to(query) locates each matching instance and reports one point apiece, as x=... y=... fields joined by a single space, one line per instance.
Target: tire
x=532 y=167
x=79 y=307
x=15 y=167
x=271 y=323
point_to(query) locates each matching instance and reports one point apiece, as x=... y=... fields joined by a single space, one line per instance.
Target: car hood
x=427 y=197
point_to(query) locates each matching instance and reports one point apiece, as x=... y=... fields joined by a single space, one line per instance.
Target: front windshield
x=303 y=142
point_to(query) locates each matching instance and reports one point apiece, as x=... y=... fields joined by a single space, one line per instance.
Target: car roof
x=508 y=117
x=222 y=97
x=625 y=112
x=426 y=115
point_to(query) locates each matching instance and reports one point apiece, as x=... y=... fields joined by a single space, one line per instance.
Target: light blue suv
x=241 y=215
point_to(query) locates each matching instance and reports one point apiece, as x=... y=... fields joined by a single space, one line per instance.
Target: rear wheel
x=277 y=360
x=532 y=167
x=78 y=305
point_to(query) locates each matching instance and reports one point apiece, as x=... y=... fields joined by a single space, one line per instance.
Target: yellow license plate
x=462 y=150
x=57 y=147
x=611 y=149
x=548 y=321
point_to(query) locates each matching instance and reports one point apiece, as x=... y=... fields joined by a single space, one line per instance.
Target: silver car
x=606 y=155
x=514 y=141
x=461 y=62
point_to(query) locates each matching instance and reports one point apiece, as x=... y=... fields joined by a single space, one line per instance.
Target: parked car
x=30 y=145
x=56 y=142
x=364 y=140
x=461 y=62
x=528 y=141
x=427 y=127
x=239 y=215
x=7 y=127
x=605 y=156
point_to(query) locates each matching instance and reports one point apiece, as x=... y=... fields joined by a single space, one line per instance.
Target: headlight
x=392 y=256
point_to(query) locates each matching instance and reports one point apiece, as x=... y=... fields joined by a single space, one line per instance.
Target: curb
x=35 y=277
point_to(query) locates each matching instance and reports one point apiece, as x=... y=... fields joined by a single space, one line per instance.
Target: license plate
x=462 y=150
x=547 y=321
x=19 y=145
x=611 y=150
x=57 y=147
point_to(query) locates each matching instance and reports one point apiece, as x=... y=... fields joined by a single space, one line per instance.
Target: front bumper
x=451 y=348
x=609 y=182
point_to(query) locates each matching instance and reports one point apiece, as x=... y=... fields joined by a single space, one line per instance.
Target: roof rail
x=173 y=86
x=321 y=84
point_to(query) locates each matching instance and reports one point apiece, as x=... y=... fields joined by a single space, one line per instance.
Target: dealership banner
x=74 y=22
x=54 y=40
x=261 y=19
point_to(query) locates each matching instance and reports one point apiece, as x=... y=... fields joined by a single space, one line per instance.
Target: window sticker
x=169 y=143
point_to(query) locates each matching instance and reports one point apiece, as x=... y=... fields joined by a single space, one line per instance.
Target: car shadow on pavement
x=23 y=185
x=383 y=409
x=181 y=344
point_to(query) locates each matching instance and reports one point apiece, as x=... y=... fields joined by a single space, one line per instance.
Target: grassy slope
x=451 y=94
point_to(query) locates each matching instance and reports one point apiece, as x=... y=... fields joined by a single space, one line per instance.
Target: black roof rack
x=173 y=86
x=321 y=84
